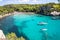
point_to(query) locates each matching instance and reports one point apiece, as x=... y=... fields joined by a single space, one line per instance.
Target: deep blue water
x=27 y=25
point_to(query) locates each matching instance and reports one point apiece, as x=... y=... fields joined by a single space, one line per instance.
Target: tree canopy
x=49 y=7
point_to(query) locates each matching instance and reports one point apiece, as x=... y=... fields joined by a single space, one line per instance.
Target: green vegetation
x=12 y=36
x=37 y=8
x=44 y=9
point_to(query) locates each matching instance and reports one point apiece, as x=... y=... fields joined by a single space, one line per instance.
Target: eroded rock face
x=2 y=36
x=55 y=13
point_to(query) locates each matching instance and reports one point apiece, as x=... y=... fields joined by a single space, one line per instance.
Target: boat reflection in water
x=44 y=34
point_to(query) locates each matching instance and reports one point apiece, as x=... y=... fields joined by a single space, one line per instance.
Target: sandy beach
x=5 y=15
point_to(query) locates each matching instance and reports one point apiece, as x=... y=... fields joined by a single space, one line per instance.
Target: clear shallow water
x=28 y=25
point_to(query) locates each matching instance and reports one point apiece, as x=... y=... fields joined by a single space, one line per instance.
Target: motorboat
x=44 y=29
x=55 y=18
x=42 y=23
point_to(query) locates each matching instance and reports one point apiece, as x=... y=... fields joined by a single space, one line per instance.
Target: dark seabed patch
x=28 y=27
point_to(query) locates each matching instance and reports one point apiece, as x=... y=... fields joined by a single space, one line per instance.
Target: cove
x=27 y=25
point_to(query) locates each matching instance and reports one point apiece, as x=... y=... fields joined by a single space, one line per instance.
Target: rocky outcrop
x=55 y=13
x=2 y=36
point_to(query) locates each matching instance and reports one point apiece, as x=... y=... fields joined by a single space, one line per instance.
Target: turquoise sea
x=27 y=25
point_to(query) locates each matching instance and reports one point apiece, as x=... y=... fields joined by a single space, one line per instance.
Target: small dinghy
x=42 y=23
x=55 y=18
x=44 y=29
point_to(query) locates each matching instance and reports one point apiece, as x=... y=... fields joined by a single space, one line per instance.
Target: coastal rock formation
x=2 y=36
x=54 y=13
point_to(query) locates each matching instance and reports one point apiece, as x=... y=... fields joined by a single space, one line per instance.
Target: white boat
x=42 y=23
x=44 y=29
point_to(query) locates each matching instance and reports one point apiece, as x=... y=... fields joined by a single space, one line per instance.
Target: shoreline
x=5 y=15
x=8 y=14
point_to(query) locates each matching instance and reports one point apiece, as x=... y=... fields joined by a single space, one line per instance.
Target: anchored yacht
x=42 y=23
